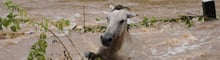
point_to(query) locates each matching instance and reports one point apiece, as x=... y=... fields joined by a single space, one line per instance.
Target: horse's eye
x=122 y=21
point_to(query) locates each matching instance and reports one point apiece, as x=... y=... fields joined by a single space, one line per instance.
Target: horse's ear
x=130 y=15
x=112 y=7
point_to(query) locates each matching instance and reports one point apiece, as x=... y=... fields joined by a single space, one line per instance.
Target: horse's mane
x=120 y=7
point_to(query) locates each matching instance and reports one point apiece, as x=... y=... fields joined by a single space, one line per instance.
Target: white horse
x=116 y=38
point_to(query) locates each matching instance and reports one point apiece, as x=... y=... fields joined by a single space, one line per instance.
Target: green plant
x=1 y=23
x=200 y=19
x=10 y=5
x=98 y=58
x=11 y=20
x=153 y=21
x=62 y=23
x=97 y=19
x=38 y=50
x=14 y=7
x=148 y=22
x=132 y=25
x=145 y=22
x=187 y=20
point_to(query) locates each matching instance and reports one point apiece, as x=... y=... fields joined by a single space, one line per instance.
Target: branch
x=56 y=37
x=73 y=45
x=60 y=42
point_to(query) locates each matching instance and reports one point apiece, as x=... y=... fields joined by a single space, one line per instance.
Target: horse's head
x=117 y=25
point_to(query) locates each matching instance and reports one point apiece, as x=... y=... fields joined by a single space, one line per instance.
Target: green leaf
x=45 y=24
x=43 y=36
x=11 y=15
x=97 y=19
x=1 y=27
x=153 y=19
x=67 y=22
x=98 y=58
x=6 y=23
x=0 y=20
x=145 y=20
x=7 y=3
x=62 y=23
x=30 y=57
x=200 y=19
x=1 y=24
x=22 y=12
x=18 y=26
x=13 y=28
x=189 y=23
x=12 y=6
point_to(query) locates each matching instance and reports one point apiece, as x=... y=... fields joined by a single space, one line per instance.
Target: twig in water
x=74 y=46
x=57 y=38
x=84 y=17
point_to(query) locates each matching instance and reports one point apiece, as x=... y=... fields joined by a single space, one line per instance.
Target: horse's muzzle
x=106 y=40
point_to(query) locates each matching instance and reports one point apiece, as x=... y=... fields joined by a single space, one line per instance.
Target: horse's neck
x=126 y=42
x=124 y=39
x=127 y=39
x=124 y=52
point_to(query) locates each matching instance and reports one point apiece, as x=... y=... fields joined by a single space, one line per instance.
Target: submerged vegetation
x=148 y=22
x=187 y=20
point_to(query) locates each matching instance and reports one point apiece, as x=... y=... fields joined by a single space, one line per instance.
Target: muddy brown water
x=162 y=42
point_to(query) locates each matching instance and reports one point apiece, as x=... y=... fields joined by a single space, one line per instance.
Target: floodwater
x=162 y=42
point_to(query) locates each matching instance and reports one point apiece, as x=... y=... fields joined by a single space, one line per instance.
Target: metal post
x=208 y=9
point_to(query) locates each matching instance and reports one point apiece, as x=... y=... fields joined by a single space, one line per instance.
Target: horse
x=115 y=40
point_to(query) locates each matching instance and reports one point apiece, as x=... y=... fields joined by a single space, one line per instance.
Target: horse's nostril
x=101 y=37
x=110 y=40
x=106 y=40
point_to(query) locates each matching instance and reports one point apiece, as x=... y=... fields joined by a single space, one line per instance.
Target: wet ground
x=162 y=42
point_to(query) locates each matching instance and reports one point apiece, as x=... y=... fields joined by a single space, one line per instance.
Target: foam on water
x=153 y=51
x=181 y=49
